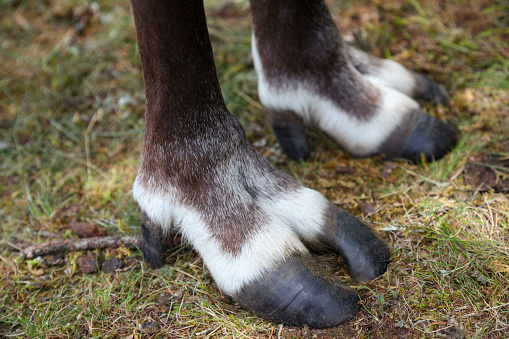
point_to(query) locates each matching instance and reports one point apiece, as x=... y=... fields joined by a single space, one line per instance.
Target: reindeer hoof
x=366 y=256
x=291 y=135
x=430 y=137
x=292 y=294
x=421 y=135
x=431 y=91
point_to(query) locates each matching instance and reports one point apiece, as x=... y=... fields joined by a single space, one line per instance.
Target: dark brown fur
x=298 y=41
x=191 y=141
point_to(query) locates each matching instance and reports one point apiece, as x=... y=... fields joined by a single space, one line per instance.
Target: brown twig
x=81 y=244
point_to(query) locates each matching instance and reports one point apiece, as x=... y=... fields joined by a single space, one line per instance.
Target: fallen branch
x=81 y=244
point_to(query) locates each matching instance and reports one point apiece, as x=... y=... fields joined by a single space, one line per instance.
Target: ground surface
x=71 y=122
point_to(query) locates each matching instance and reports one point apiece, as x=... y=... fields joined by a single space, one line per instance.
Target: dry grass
x=71 y=122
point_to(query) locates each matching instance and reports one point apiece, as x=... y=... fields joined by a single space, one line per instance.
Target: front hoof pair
x=264 y=262
x=292 y=291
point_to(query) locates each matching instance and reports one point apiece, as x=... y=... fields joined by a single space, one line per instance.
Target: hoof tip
x=431 y=91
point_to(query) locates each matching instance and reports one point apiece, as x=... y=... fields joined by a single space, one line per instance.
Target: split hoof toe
x=367 y=257
x=429 y=90
x=292 y=294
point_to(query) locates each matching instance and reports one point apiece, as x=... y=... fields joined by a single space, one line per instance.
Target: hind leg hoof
x=364 y=103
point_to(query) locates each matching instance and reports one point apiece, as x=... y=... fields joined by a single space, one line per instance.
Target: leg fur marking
x=275 y=239
x=227 y=184
x=297 y=42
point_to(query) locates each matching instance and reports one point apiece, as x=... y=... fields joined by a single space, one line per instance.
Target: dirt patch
x=485 y=173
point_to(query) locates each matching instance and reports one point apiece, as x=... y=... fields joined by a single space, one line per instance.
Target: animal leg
x=304 y=67
x=199 y=175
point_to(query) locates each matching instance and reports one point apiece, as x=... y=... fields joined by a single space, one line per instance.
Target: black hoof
x=420 y=135
x=366 y=256
x=151 y=242
x=292 y=294
x=291 y=135
x=431 y=91
x=430 y=137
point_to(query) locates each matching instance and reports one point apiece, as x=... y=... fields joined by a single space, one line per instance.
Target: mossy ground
x=71 y=123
